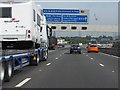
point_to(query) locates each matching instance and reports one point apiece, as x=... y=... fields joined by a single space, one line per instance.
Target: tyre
x=79 y=52
x=34 y=60
x=8 y=71
x=45 y=57
x=2 y=72
x=96 y=51
x=70 y=52
x=88 y=51
x=37 y=61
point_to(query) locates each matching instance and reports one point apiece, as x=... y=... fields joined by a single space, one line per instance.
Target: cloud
x=77 y=0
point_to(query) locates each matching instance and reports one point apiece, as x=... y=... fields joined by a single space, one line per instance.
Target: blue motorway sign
x=66 y=18
x=67 y=11
x=53 y=18
x=75 y=18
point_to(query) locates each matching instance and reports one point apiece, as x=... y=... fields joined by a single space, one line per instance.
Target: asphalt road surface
x=64 y=70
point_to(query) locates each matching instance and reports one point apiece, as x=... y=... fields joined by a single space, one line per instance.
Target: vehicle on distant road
x=60 y=45
x=61 y=42
x=52 y=42
x=80 y=44
x=92 y=48
x=105 y=43
x=75 y=48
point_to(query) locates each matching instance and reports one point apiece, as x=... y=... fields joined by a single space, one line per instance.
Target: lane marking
x=60 y=55
x=102 y=65
x=56 y=58
x=50 y=51
x=113 y=71
x=87 y=55
x=91 y=58
x=48 y=64
x=23 y=82
x=40 y=70
x=110 y=55
x=115 y=56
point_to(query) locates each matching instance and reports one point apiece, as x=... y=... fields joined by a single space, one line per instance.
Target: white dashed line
x=56 y=58
x=87 y=55
x=48 y=64
x=40 y=70
x=23 y=82
x=91 y=58
x=60 y=55
x=101 y=65
x=113 y=71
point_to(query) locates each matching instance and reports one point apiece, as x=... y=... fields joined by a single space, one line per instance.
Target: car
x=75 y=48
x=60 y=45
x=92 y=48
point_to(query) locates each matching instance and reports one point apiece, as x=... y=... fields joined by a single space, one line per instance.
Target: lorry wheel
x=38 y=59
x=8 y=71
x=35 y=60
x=46 y=56
x=79 y=52
x=2 y=72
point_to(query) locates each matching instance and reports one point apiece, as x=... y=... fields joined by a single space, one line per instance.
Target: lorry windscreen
x=5 y=12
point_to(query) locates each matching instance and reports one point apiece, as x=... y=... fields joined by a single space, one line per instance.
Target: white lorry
x=20 y=25
x=61 y=42
x=23 y=35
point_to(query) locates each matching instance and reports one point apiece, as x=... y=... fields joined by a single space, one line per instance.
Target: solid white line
x=23 y=82
x=48 y=64
x=110 y=55
x=101 y=65
x=106 y=54
x=115 y=56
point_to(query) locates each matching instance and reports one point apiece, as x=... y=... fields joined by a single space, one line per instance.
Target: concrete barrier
x=111 y=51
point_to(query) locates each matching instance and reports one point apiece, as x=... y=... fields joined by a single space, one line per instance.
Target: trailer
x=18 y=48
x=20 y=25
x=12 y=60
x=52 y=42
x=61 y=42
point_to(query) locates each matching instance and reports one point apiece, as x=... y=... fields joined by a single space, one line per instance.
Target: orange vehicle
x=92 y=48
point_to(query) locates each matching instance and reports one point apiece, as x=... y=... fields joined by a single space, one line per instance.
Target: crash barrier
x=111 y=51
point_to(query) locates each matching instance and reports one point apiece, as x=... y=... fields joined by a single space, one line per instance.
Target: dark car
x=75 y=48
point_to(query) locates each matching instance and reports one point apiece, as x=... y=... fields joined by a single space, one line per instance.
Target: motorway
x=64 y=70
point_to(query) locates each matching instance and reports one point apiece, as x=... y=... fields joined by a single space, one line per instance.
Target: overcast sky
x=106 y=10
